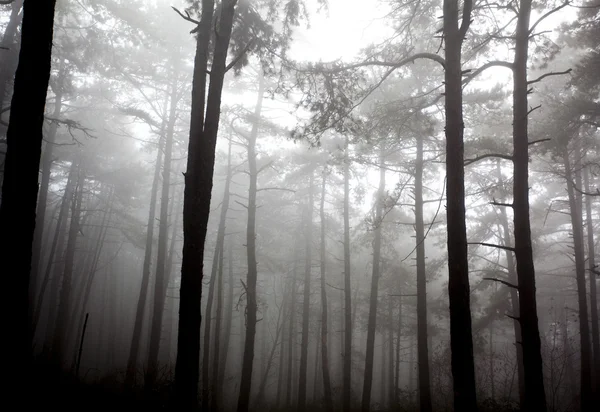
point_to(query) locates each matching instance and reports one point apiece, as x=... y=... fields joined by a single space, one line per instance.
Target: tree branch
x=189 y=18
x=538 y=141
x=501 y=204
x=554 y=10
x=543 y=76
x=493 y=63
x=485 y=156
x=239 y=56
x=395 y=65
x=466 y=18
x=510 y=285
x=511 y=249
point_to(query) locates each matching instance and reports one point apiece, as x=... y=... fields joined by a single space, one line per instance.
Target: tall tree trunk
x=461 y=338
x=251 y=298
x=324 y=343
x=220 y=251
x=584 y=328
x=56 y=242
x=390 y=364
x=21 y=169
x=197 y=195
x=59 y=343
x=226 y=330
x=372 y=322
x=45 y=182
x=160 y=281
x=422 y=340
x=535 y=398
x=291 y=337
x=592 y=267
x=130 y=374
x=7 y=48
x=514 y=294
x=302 y=379
x=399 y=341
x=347 y=350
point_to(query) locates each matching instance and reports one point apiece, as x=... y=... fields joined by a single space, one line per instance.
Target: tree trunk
x=372 y=322
x=45 y=182
x=593 y=294
x=291 y=337
x=160 y=281
x=59 y=343
x=422 y=340
x=584 y=329
x=302 y=379
x=324 y=320
x=461 y=339
x=21 y=169
x=399 y=340
x=535 y=398
x=220 y=250
x=130 y=374
x=226 y=330
x=390 y=365
x=514 y=294
x=251 y=298
x=347 y=350
x=198 y=188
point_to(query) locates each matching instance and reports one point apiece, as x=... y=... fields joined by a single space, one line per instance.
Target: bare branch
x=511 y=249
x=543 y=76
x=494 y=63
x=486 y=156
x=239 y=56
x=510 y=285
x=538 y=141
x=501 y=204
x=187 y=17
x=554 y=10
x=597 y=193
x=533 y=109
x=275 y=188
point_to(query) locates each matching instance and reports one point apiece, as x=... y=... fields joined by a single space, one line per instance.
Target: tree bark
x=347 y=350
x=197 y=195
x=422 y=340
x=535 y=398
x=578 y=245
x=461 y=339
x=64 y=308
x=226 y=330
x=514 y=294
x=220 y=250
x=302 y=379
x=130 y=373
x=8 y=50
x=372 y=322
x=21 y=169
x=324 y=344
x=593 y=294
x=251 y=298
x=160 y=281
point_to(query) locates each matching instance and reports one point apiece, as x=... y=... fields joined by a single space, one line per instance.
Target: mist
x=300 y=205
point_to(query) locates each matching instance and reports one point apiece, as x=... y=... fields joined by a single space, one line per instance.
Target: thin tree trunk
x=422 y=338
x=586 y=400
x=160 y=281
x=324 y=317
x=227 y=330
x=390 y=364
x=347 y=350
x=514 y=294
x=130 y=373
x=461 y=337
x=372 y=322
x=220 y=250
x=302 y=379
x=592 y=267
x=59 y=343
x=291 y=337
x=45 y=182
x=21 y=170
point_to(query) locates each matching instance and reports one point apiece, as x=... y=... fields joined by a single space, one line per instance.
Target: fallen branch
x=510 y=285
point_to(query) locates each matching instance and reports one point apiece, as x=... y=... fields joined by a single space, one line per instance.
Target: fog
x=301 y=205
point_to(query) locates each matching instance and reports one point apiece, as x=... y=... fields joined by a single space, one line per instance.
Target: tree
x=24 y=144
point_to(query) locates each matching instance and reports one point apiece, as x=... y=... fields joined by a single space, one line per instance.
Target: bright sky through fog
x=341 y=31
